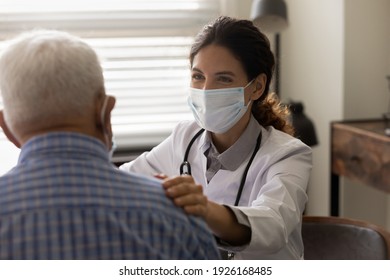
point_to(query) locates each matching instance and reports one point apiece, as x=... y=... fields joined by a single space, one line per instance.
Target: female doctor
x=247 y=176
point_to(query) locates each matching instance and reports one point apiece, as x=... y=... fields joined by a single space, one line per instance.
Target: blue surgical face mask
x=218 y=110
x=113 y=148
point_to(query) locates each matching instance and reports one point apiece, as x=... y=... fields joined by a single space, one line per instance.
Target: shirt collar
x=63 y=145
x=233 y=157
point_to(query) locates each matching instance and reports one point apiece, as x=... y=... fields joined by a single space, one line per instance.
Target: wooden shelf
x=360 y=151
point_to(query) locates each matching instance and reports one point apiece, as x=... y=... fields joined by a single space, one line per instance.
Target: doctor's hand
x=221 y=220
x=186 y=194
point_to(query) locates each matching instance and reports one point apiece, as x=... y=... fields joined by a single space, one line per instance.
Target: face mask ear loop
x=248 y=84
x=250 y=100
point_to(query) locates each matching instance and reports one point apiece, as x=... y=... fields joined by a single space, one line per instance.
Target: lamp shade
x=269 y=15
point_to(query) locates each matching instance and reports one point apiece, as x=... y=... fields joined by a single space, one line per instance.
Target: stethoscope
x=185 y=167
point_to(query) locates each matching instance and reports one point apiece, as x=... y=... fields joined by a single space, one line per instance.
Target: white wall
x=367 y=53
x=236 y=8
x=366 y=95
x=312 y=72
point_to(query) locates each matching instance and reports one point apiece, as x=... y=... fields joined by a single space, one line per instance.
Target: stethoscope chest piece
x=185 y=168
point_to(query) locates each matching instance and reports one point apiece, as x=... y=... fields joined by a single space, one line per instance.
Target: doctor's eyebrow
x=225 y=73
x=217 y=74
x=196 y=70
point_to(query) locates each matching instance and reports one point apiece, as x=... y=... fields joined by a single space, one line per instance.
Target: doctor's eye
x=225 y=79
x=197 y=77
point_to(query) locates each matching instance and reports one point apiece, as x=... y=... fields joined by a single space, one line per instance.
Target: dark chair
x=336 y=238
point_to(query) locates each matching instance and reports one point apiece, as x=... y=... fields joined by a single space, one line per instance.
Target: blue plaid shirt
x=65 y=200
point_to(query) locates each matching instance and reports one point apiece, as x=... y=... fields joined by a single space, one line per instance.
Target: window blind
x=143 y=47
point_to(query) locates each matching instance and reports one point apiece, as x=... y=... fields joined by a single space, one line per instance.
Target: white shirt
x=274 y=194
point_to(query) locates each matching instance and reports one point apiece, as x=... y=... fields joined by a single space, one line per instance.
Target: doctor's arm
x=220 y=219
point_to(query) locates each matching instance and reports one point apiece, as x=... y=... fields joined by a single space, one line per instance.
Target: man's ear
x=110 y=106
x=7 y=132
x=104 y=106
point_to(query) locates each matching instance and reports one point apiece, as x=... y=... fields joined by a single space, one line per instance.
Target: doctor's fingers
x=160 y=176
x=193 y=204
x=174 y=181
x=183 y=189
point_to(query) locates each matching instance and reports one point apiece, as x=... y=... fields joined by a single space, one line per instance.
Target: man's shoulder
x=151 y=197
x=118 y=198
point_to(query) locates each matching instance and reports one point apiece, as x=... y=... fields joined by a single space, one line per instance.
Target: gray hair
x=48 y=75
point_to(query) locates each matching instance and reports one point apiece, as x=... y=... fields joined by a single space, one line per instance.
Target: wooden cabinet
x=360 y=151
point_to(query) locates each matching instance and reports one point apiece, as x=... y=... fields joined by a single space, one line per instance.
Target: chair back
x=336 y=238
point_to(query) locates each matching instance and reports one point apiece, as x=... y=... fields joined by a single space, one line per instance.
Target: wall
x=312 y=72
x=366 y=95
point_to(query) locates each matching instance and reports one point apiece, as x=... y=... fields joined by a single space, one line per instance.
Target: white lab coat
x=274 y=195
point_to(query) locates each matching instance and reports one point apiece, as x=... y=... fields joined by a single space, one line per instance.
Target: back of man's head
x=46 y=77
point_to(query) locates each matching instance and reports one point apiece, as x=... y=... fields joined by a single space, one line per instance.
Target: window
x=143 y=46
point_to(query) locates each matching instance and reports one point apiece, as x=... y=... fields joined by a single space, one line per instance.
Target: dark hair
x=252 y=48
